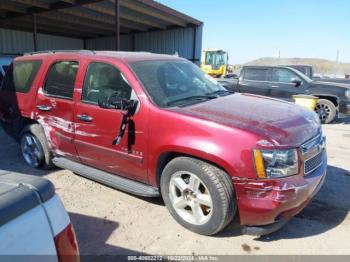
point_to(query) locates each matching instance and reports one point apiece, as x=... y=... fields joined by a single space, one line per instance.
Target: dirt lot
x=111 y=222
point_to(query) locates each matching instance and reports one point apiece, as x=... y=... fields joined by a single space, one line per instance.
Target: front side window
x=284 y=76
x=103 y=80
x=171 y=81
x=254 y=74
x=20 y=76
x=209 y=58
x=60 y=79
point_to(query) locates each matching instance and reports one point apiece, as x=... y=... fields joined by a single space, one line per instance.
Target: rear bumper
x=266 y=202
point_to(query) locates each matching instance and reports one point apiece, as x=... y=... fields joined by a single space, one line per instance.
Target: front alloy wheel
x=198 y=195
x=326 y=111
x=190 y=198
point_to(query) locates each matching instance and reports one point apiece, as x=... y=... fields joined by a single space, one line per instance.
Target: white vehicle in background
x=34 y=225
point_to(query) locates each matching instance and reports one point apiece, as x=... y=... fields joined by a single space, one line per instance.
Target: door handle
x=44 y=108
x=275 y=86
x=85 y=118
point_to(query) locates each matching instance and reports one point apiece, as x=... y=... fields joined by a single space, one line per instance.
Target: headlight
x=347 y=93
x=276 y=163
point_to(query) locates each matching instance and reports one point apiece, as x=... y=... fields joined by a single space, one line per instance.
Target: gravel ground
x=111 y=222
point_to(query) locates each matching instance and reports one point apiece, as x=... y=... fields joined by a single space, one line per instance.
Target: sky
x=250 y=29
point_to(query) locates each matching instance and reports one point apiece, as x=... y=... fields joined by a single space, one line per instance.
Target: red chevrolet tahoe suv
x=155 y=125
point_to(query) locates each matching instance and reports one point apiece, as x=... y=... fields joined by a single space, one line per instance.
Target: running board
x=117 y=182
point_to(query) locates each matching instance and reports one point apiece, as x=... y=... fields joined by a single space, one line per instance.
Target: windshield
x=216 y=58
x=176 y=82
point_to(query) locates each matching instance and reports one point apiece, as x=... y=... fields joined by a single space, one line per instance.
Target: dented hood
x=282 y=123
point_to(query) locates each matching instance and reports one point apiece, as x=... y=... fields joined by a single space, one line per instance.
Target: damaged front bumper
x=266 y=205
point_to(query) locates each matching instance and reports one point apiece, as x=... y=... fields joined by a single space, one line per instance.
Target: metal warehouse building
x=128 y=25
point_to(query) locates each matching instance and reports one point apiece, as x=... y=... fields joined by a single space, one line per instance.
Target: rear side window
x=60 y=79
x=256 y=74
x=20 y=76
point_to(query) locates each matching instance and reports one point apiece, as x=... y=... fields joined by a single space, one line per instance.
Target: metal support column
x=133 y=42
x=117 y=25
x=84 y=43
x=35 y=33
x=194 y=44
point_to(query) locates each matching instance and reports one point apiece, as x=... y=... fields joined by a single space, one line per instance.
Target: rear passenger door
x=55 y=105
x=255 y=81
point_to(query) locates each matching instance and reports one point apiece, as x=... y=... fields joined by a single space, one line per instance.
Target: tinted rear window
x=20 y=76
x=256 y=74
x=60 y=79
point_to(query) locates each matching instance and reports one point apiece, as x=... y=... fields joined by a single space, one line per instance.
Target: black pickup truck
x=284 y=82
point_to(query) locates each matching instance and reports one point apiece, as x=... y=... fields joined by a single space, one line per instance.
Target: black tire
x=326 y=110
x=220 y=188
x=38 y=133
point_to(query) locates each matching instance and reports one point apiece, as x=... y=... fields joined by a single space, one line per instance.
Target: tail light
x=66 y=245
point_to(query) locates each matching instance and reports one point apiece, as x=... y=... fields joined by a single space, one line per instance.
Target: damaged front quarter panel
x=263 y=202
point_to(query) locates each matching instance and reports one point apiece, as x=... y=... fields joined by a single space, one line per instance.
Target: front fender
x=326 y=95
x=226 y=147
x=186 y=151
x=235 y=160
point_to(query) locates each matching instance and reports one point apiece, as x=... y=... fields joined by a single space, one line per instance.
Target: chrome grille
x=312 y=143
x=313 y=163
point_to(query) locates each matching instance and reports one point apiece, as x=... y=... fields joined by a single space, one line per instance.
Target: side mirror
x=127 y=105
x=297 y=82
x=116 y=102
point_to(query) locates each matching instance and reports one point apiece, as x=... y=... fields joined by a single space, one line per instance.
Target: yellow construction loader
x=214 y=62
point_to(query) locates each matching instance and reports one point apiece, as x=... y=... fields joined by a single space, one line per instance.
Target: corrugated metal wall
x=173 y=41
x=108 y=43
x=51 y=42
x=179 y=41
x=16 y=42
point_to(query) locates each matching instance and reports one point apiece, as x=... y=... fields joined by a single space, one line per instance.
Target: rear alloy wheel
x=326 y=111
x=32 y=151
x=35 y=148
x=198 y=195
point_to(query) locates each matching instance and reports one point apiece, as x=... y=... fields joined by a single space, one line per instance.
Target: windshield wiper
x=192 y=98
x=221 y=92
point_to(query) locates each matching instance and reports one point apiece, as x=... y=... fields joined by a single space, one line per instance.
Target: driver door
x=96 y=127
x=282 y=86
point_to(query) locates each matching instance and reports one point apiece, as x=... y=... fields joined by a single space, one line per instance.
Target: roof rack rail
x=60 y=51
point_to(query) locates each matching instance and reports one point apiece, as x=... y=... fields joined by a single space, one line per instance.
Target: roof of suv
x=120 y=55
